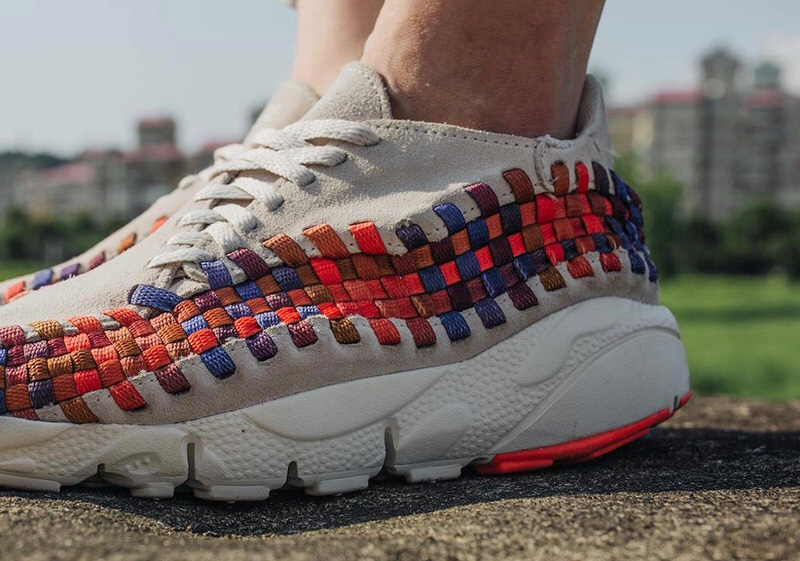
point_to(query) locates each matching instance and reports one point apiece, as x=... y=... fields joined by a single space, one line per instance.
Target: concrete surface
x=719 y=481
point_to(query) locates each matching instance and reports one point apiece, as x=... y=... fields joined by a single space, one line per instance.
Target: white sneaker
x=353 y=293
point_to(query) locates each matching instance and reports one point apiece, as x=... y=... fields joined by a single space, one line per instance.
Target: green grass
x=742 y=335
x=10 y=269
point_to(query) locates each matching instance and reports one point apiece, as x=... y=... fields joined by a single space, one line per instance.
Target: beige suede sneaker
x=353 y=294
x=291 y=101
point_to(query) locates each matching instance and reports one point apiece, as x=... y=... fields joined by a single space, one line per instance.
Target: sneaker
x=353 y=294
x=290 y=102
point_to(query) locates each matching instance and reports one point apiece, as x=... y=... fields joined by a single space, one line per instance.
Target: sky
x=79 y=73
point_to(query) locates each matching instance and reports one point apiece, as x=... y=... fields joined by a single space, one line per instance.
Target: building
x=770 y=162
x=15 y=165
x=84 y=186
x=675 y=136
x=729 y=141
x=103 y=184
x=154 y=168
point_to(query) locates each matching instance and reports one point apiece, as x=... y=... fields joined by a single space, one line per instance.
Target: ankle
x=329 y=35
x=499 y=67
x=478 y=102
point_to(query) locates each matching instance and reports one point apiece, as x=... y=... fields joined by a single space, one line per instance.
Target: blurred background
x=106 y=105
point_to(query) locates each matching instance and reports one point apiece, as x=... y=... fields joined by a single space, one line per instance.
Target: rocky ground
x=721 y=480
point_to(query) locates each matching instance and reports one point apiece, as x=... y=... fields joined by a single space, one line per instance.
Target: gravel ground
x=721 y=480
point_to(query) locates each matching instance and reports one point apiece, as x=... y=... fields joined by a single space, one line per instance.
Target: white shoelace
x=285 y=153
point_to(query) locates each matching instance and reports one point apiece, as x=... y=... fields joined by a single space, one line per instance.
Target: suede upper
x=422 y=249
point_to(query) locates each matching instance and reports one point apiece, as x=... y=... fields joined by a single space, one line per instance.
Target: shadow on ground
x=676 y=458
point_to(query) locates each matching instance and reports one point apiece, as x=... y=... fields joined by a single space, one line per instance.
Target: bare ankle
x=516 y=72
x=330 y=33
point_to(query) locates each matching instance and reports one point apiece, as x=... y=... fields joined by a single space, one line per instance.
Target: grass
x=742 y=334
x=10 y=269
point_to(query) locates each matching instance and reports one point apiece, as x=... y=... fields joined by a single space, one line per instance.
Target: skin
x=330 y=33
x=510 y=66
x=515 y=66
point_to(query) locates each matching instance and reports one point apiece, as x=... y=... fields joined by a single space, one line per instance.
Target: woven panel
x=478 y=260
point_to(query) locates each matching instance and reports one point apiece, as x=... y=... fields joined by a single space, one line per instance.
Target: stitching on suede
x=451 y=135
x=379 y=88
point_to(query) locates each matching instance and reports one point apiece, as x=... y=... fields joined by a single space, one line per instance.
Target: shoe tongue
x=288 y=104
x=358 y=94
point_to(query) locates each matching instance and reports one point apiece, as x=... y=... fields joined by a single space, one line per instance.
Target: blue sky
x=77 y=74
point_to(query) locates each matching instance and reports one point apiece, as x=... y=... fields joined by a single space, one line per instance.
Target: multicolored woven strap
x=47 y=277
x=496 y=253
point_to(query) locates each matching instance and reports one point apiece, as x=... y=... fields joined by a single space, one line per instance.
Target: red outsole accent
x=577 y=451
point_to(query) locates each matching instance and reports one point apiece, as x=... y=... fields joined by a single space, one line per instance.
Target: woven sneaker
x=354 y=293
x=290 y=102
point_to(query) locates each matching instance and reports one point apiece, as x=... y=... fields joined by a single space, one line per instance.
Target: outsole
x=577 y=451
x=573 y=452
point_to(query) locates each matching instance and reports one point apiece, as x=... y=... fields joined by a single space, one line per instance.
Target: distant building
x=102 y=183
x=154 y=168
x=106 y=184
x=726 y=144
x=14 y=166
x=675 y=138
x=86 y=185
x=631 y=129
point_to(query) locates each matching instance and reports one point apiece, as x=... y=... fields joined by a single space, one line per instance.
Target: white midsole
x=589 y=368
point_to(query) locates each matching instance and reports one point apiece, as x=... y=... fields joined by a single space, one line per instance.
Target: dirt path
x=719 y=481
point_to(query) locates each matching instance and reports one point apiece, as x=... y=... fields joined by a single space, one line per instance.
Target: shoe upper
x=291 y=101
x=345 y=246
